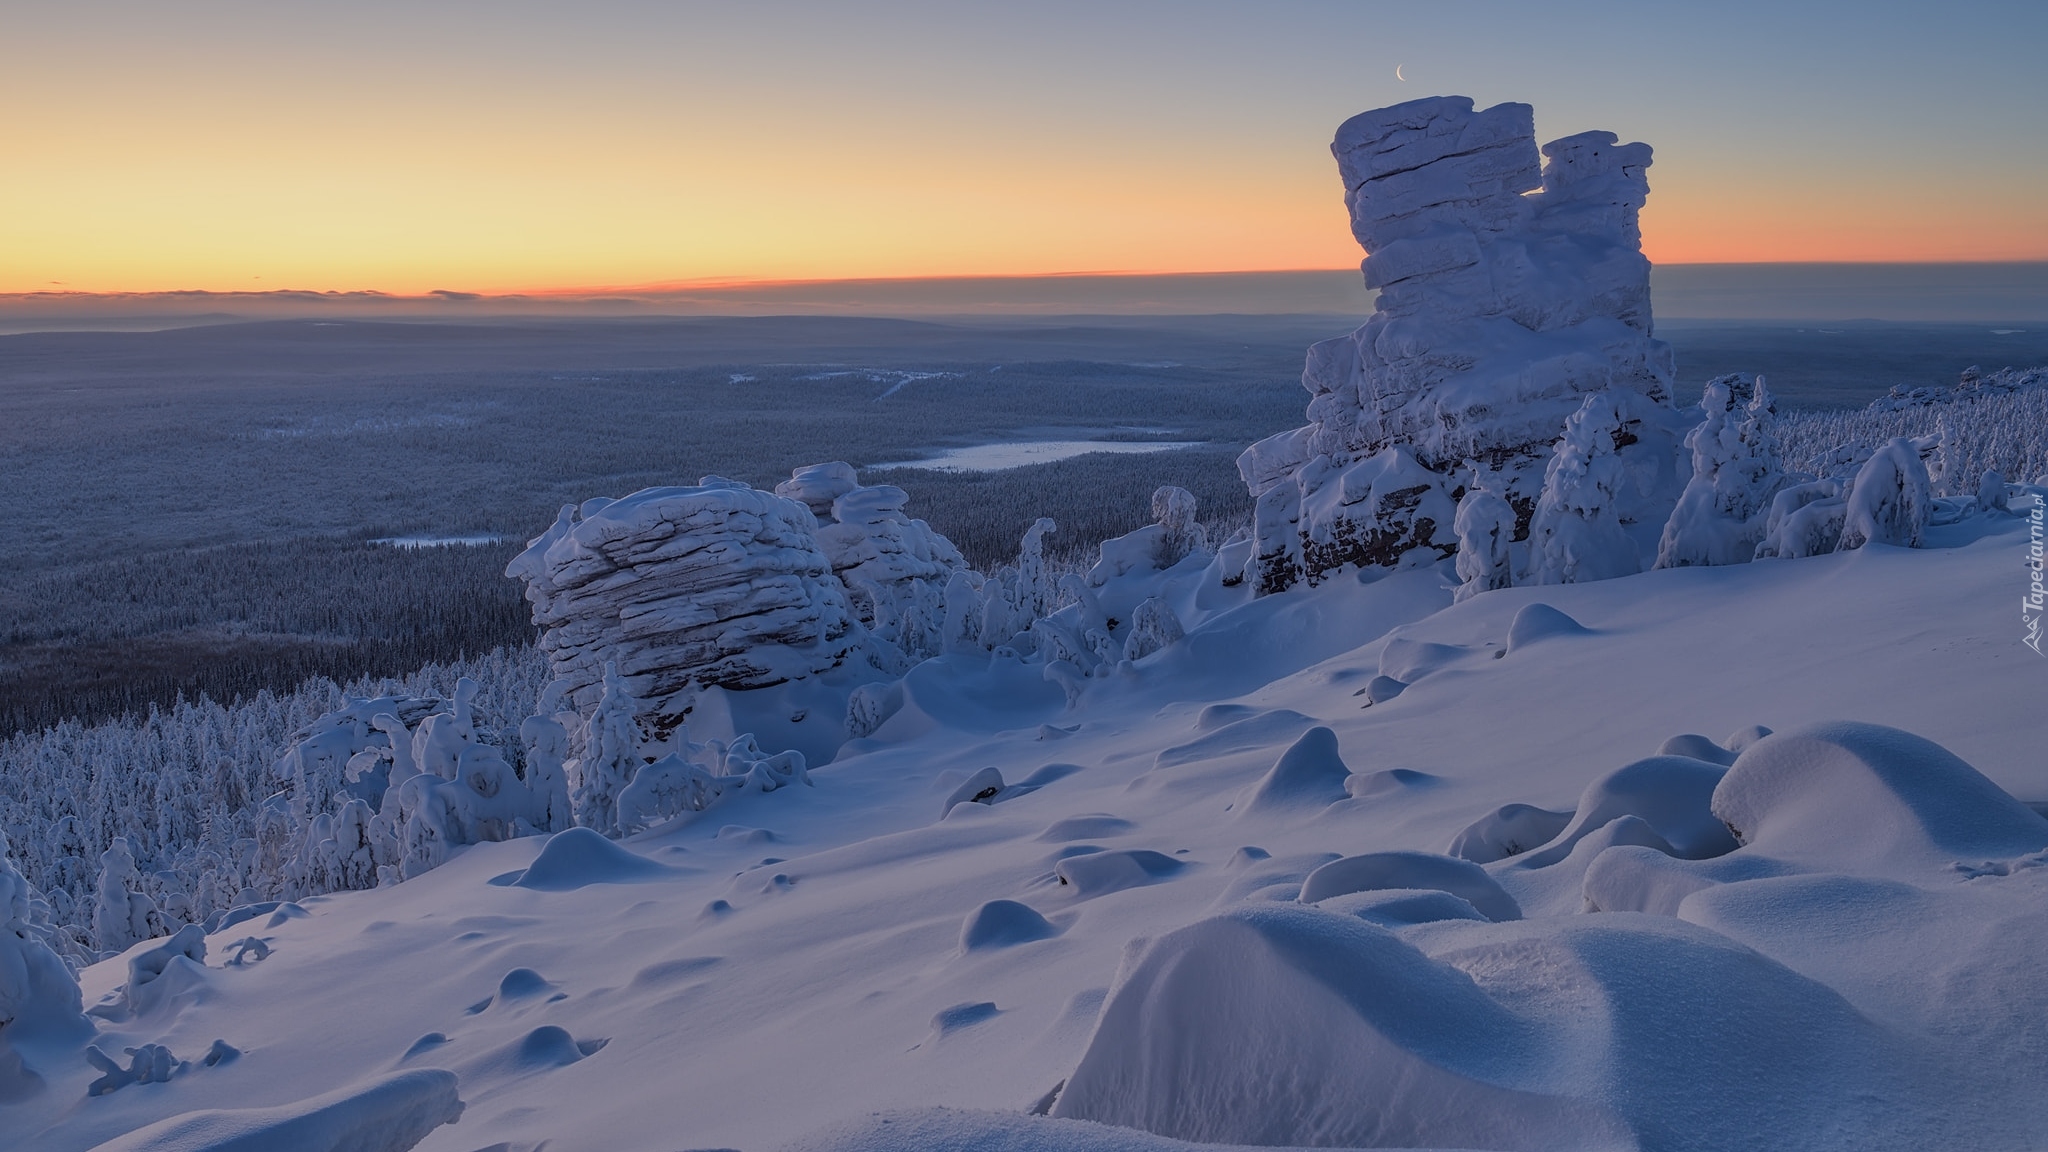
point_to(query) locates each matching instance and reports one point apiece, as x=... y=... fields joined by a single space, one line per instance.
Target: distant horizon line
x=2002 y=291
x=741 y=284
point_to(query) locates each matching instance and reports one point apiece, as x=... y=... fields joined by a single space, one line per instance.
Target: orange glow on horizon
x=133 y=207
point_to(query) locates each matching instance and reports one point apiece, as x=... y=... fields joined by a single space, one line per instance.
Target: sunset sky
x=526 y=146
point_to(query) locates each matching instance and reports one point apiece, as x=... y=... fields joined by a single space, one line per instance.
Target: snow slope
x=1121 y=913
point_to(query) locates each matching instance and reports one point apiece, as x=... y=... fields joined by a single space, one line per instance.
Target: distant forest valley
x=210 y=510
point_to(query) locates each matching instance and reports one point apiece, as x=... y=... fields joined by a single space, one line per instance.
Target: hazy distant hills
x=1954 y=293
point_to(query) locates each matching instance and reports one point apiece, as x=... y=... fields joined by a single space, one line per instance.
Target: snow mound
x=1508 y=831
x=388 y=1115
x=949 y=1020
x=1400 y=907
x=1697 y=747
x=1310 y=773
x=1865 y=797
x=159 y=973
x=1279 y=1025
x=581 y=857
x=985 y=786
x=1540 y=621
x=1639 y=878
x=1001 y=923
x=1086 y=826
x=1510 y=291
x=1424 y=871
x=1410 y=660
x=963 y=1130
x=1290 y=1025
x=1387 y=782
x=1258 y=730
x=1100 y=873
x=1671 y=794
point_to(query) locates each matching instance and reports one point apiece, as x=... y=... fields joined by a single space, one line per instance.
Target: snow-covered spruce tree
x=1153 y=627
x=1991 y=492
x=1037 y=591
x=122 y=915
x=35 y=983
x=1180 y=534
x=965 y=593
x=1736 y=472
x=547 y=750
x=1485 y=527
x=1891 y=499
x=611 y=756
x=1576 y=535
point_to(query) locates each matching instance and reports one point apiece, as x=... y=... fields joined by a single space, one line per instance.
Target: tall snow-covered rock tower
x=1510 y=288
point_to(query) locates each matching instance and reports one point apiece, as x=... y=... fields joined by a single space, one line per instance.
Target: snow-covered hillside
x=1610 y=774
x=1861 y=973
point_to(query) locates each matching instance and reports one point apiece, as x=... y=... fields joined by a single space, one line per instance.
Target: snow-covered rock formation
x=714 y=584
x=895 y=568
x=1509 y=290
x=721 y=585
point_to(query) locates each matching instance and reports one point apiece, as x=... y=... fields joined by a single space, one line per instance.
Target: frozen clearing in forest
x=1023 y=453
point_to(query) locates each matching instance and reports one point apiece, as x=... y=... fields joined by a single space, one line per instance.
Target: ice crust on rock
x=1510 y=290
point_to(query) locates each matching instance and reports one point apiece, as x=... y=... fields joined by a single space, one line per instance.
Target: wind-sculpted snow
x=1367 y=1040
x=1510 y=291
x=579 y=858
x=1390 y=1021
x=1001 y=901
x=1861 y=797
x=391 y=1114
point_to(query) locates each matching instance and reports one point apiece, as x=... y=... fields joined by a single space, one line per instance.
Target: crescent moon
x=1397 y=74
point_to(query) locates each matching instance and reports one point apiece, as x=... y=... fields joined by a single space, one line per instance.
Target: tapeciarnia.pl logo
x=2036 y=600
